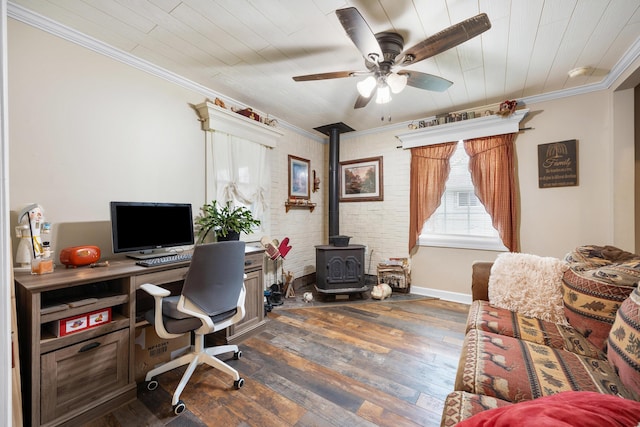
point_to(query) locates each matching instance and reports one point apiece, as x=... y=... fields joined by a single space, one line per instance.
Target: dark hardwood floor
x=368 y=364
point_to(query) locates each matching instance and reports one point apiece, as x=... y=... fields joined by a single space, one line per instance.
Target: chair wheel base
x=179 y=407
x=238 y=383
x=152 y=385
x=237 y=355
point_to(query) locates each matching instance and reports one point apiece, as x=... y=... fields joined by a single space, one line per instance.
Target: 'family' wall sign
x=558 y=164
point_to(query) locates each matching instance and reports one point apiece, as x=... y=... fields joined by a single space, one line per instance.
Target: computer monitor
x=146 y=230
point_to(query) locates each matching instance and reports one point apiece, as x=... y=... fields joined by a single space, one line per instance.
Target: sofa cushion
x=515 y=370
x=623 y=350
x=461 y=405
x=485 y=317
x=528 y=284
x=592 y=298
x=577 y=409
x=588 y=257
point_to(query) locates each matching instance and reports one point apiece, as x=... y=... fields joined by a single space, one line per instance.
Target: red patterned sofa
x=510 y=360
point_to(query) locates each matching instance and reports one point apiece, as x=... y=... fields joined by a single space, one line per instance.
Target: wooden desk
x=69 y=380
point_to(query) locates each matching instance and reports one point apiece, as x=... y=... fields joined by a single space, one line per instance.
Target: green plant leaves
x=224 y=218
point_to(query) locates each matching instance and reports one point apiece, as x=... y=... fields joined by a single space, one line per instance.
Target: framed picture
x=299 y=178
x=361 y=180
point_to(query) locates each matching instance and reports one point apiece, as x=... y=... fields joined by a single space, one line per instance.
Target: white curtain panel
x=239 y=172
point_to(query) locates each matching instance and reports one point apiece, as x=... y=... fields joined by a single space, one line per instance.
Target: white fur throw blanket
x=528 y=284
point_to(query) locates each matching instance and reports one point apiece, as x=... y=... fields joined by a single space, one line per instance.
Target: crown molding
x=26 y=16
x=627 y=60
x=57 y=29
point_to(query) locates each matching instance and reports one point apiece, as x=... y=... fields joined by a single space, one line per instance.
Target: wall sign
x=558 y=164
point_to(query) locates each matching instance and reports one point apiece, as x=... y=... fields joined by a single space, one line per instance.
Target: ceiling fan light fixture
x=366 y=86
x=383 y=94
x=397 y=82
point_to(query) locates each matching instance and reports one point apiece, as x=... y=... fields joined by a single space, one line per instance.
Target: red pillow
x=570 y=408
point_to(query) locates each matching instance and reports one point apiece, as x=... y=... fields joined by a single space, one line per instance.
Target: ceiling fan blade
x=325 y=76
x=360 y=34
x=426 y=81
x=445 y=39
x=362 y=101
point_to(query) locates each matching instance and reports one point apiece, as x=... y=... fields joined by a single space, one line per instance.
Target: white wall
x=381 y=226
x=304 y=228
x=553 y=220
x=86 y=129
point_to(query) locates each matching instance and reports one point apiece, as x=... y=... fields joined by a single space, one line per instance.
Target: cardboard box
x=151 y=350
x=78 y=323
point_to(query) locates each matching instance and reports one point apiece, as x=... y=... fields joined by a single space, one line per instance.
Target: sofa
x=557 y=338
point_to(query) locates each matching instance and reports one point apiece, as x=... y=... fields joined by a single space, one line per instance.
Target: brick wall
x=304 y=228
x=381 y=226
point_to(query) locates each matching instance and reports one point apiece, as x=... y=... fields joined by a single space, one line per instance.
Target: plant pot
x=231 y=235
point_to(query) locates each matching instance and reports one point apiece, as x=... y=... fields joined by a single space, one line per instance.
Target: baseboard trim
x=444 y=295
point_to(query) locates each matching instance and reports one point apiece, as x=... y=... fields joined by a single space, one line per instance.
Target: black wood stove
x=340 y=270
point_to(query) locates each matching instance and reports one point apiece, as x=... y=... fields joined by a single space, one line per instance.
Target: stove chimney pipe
x=334 y=183
x=333 y=131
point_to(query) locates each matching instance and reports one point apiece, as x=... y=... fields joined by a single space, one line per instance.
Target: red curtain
x=429 y=172
x=491 y=163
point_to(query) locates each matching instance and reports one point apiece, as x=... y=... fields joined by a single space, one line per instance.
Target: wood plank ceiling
x=246 y=51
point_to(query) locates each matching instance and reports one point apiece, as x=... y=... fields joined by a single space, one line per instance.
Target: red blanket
x=571 y=408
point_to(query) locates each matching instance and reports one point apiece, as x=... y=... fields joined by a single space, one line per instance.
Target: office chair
x=212 y=299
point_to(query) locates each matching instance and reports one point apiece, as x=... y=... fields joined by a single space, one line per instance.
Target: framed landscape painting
x=361 y=180
x=298 y=178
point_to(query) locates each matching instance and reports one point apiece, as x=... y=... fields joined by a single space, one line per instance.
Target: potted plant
x=226 y=221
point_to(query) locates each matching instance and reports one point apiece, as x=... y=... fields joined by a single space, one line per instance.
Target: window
x=466 y=199
x=241 y=173
x=460 y=221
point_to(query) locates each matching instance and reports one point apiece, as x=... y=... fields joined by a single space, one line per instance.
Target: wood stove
x=340 y=269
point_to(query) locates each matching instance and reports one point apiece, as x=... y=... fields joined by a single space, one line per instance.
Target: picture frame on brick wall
x=361 y=180
x=299 y=178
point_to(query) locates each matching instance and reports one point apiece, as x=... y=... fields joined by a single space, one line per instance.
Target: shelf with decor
x=289 y=205
x=477 y=127
x=221 y=119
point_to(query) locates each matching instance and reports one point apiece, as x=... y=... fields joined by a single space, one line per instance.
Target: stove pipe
x=334 y=168
x=333 y=131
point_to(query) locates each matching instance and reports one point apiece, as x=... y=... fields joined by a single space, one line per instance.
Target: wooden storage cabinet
x=72 y=377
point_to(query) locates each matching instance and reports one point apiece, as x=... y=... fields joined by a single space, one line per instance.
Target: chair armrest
x=480 y=271
x=158 y=294
x=154 y=290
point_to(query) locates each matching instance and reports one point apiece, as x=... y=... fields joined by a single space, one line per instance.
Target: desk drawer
x=253 y=261
x=75 y=376
x=161 y=277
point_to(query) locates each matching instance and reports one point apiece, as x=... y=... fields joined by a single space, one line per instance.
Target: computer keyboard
x=163 y=260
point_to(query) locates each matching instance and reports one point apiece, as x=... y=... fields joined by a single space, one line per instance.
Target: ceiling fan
x=383 y=52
